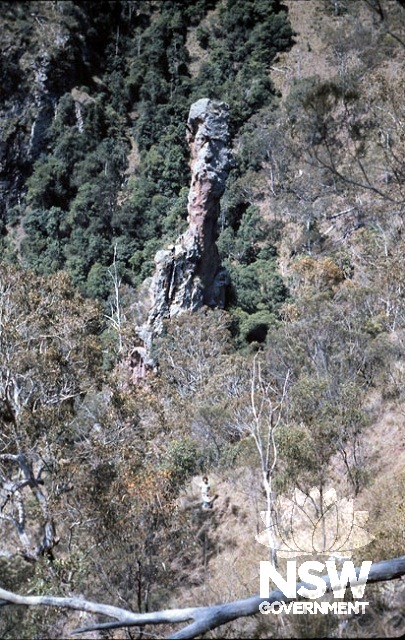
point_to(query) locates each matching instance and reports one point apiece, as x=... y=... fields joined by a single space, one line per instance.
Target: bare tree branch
x=377 y=7
x=204 y=618
x=11 y=496
x=350 y=179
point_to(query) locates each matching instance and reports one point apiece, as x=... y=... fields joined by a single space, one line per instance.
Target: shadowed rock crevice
x=188 y=274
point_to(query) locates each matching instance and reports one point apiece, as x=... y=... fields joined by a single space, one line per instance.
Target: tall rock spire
x=188 y=274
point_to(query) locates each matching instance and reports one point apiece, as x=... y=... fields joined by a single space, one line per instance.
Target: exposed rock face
x=188 y=273
x=39 y=65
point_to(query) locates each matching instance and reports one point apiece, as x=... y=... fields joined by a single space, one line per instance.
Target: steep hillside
x=94 y=149
x=334 y=199
x=289 y=387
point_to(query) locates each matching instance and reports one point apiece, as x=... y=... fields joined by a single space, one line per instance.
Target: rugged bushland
x=98 y=461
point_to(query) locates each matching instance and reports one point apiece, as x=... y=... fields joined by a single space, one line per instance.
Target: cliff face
x=47 y=49
x=188 y=274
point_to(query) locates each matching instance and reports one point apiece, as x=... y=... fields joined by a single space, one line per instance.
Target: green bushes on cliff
x=129 y=84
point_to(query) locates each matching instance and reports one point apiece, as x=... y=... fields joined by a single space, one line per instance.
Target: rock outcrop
x=189 y=274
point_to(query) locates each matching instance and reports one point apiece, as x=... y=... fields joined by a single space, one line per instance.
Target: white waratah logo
x=313 y=524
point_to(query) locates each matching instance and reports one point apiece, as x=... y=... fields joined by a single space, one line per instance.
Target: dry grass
x=198 y=55
x=230 y=556
x=309 y=55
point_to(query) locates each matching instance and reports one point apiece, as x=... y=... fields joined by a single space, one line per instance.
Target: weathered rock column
x=211 y=161
x=188 y=274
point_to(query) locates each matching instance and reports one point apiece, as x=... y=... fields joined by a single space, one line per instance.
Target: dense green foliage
x=133 y=86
